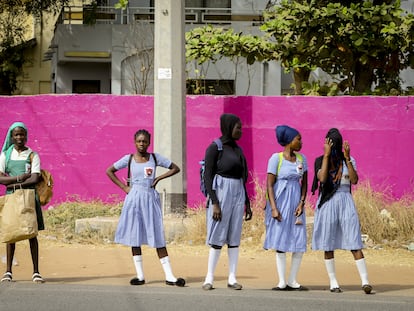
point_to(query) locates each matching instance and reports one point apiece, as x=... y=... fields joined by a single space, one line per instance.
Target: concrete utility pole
x=169 y=98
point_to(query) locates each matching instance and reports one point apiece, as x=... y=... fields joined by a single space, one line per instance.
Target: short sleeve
x=305 y=163
x=122 y=163
x=2 y=162
x=272 y=164
x=162 y=161
x=35 y=165
x=353 y=163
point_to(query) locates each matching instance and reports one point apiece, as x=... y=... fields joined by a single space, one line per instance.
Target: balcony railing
x=110 y=15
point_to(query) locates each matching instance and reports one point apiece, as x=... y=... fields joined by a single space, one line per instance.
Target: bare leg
x=34 y=250
x=10 y=248
x=136 y=251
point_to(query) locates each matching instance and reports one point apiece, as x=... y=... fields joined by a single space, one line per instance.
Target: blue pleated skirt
x=141 y=219
x=336 y=223
x=231 y=195
x=286 y=236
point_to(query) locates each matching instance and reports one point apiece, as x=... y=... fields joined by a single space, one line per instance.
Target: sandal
x=37 y=278
x=7 y=277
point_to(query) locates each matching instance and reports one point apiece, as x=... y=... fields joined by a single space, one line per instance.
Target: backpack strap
x=219 y=144
x=129 y=169
x=155 y=159
x=279 y=165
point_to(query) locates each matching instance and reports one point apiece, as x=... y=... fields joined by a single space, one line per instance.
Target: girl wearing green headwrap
x=18 y=169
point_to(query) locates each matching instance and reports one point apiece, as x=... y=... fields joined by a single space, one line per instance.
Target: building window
x=210 y=86
x=208 y=3
x=86 y=86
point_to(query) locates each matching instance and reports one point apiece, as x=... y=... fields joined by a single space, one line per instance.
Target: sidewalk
x=391 y=272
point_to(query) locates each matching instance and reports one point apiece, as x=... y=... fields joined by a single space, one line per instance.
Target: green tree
x=209 y=43
x=364 y=42
x=13 y=14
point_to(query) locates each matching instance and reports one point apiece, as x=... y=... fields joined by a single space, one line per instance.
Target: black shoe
x=300 y=288
x=279 y=288
x=336 y=290
x=136 y=281
x=180 y=282
x=367 y=289
x=235 y=286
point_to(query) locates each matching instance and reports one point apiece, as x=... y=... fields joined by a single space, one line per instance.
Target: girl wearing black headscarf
x=225 y=178
x=336 y=223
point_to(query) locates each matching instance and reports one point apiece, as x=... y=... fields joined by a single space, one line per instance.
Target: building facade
x=100 y=49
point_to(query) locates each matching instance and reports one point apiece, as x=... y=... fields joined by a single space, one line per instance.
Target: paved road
x=62 y=297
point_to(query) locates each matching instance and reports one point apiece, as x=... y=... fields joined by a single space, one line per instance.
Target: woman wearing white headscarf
x=17 y=169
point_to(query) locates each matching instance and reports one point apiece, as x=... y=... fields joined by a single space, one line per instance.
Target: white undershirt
x=35 y=167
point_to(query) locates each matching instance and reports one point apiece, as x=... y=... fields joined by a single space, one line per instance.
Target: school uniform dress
x=18 y=164
x=227 y=188
x=285 y=235
x=141 y=219
x=336 y=222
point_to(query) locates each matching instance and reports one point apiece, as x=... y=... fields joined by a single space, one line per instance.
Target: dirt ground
x=391 y=272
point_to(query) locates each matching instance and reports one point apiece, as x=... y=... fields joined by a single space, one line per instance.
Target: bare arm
x=270 y=182
x=25 y=180
x=303 y=192
x=110 y=171
x=353 y=175
x=323 y=172
x=172 y=170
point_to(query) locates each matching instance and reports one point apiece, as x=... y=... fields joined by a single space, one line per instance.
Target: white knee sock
x=281 y=269
x=330 y=268
x=169 y=276
x=362 y=269
x=233 y=254
x=138 y=266
x=294 y=268
x=213 y=258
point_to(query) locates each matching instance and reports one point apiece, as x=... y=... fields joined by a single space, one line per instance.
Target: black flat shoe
x=277 y=288
x=300 y=288
x=136 y=281
x=367 y=289
x=235 y=286
x=180 y=282
x=336 y=290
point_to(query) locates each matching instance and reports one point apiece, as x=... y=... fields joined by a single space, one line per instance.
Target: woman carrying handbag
x=18 y=171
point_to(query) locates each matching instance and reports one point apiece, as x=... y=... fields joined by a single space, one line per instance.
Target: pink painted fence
x=79 y=136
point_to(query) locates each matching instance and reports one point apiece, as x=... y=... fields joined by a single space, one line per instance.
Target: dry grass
x=60 y=221
x=386 y=221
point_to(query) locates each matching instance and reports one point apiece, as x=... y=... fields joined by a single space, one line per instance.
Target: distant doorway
x=86 y=86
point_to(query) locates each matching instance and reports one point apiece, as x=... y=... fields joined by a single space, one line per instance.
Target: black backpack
x=202 y=168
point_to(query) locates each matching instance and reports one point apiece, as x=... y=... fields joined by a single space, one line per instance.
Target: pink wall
x=79 y=136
